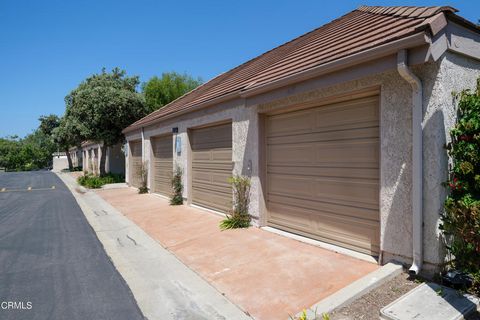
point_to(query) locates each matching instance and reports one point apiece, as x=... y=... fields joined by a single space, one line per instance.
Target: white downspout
x=143 y=145
x=417 y=160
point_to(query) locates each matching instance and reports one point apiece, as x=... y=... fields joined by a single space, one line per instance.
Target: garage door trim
x=345 y=99
x=134 y=162
x=211 y=164
x=161 y=167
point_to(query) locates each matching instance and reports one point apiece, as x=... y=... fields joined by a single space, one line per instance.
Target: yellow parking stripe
x=28 y=189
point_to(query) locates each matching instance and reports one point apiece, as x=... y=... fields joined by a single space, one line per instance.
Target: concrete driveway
x=265 y=274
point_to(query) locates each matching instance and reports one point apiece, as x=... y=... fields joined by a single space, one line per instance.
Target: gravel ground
x=368 y=307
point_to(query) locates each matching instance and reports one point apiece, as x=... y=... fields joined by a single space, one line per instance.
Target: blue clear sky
x=47 y=47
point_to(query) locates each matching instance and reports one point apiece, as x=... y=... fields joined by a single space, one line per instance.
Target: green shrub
x=304 y=316
x=239 y=216
x=177 y=188
x=142 y=190
x=94 y=182
x=461 y=218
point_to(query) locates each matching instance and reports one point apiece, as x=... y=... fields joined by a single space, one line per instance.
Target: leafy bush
x=94 y=182
x=177 y=188
x=239 y=216
x=461 y=219
x=74 y=169
x=304 y=316
x=30 y=153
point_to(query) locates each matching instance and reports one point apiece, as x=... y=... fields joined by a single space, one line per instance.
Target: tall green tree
x=171 y=85
x=103 y=105
x=30 y=153
x=48 y=123
x=10 y=152
x=37 y=149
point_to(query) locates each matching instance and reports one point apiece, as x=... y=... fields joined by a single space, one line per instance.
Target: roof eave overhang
x=412 y=41
x=224 y=98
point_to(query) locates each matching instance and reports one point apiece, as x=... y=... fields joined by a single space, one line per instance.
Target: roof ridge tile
x=407 y=11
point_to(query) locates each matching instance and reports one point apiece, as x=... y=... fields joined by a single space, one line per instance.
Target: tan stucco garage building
x=341 y=131
x=91 y=157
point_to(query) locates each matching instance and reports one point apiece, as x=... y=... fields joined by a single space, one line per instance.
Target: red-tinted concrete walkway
x=267 y=275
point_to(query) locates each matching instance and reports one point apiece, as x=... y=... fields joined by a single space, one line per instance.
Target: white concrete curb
x=355 y=290
x=120 y=185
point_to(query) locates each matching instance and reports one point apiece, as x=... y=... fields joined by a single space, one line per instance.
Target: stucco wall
x=451 y=73
x=59 y=163
x=244 y=144
x=395 y=152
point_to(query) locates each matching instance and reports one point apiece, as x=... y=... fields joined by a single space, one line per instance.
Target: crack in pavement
x=133 y=240
x=109 y=230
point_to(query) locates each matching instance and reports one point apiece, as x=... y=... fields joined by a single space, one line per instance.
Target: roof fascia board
x=463 y=40
x=132 y=136
x=91 y=144
x=438 y=47
x=356 y=72
x=361 y=57
x=463 y=22
x=224 y=98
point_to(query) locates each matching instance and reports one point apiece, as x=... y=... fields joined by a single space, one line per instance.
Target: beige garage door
x=162 y=148
x=135 y=162
x=212 y=166
x=323 y=173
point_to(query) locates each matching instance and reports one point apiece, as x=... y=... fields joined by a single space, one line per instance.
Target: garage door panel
x=338 y=190
x=349 y=210
x=211 y=178
x=212 y=166
x=333 y=135
x=292 y=123
x=212 y=137
x=218 y=154
x=162 y=166
x=295 y=218
x=341 y=223
x=323 y=173
x=162 y=148
x=163 y=181
x=327 y=227
x=340 y=153
x=361 y=113
x=357 y=114
x=212 y=199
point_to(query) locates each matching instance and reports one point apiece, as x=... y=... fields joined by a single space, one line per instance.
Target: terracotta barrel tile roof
x=359 y=30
